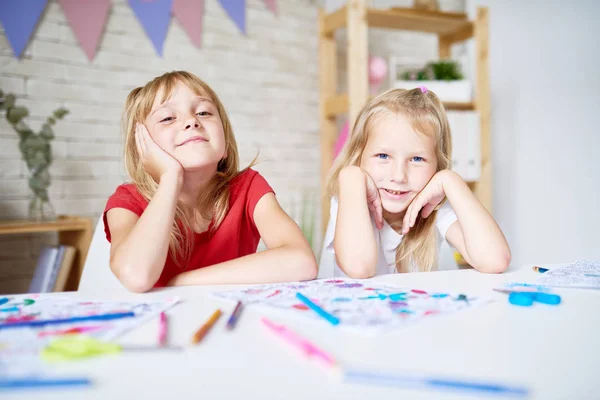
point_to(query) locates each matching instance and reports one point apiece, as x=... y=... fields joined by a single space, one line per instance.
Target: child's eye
x=382 y=156
x=417 y=159
x=167 y=119
x=203 y=113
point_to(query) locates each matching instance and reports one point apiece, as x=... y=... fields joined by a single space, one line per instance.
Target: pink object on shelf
x=377 y=72
x=341 y=140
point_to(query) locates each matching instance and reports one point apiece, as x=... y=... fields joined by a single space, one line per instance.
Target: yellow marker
x=74 y=347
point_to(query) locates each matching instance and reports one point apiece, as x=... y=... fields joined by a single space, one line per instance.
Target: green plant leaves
x=9 y=101
x=60 y=113
x=16 y=114
x=46 y=132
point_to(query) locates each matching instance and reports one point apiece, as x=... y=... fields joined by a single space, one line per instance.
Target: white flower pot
x=447 y=91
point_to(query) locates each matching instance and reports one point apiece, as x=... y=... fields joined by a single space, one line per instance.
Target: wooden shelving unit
x=357 y=18
x=72 y=231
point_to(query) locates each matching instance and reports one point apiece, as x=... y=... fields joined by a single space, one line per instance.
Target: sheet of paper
x=581 y=274
x=20 y=347
x=358 y=305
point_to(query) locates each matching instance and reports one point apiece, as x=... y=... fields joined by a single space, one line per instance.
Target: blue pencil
x=32 y=383
x=100 y=317
x=434 y=383
x=333 y=320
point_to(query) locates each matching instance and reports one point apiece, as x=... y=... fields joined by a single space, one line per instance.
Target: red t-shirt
x=237 y=235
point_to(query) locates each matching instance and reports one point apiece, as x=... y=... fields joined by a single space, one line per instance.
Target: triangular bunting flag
x=190 y=14
x=87 y=19
x=272 y=5
x=154 y=15
x=19 y=19
x=236 y=9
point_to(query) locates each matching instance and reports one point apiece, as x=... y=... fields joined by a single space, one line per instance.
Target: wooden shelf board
x=455 y=26
x=413 y=20
x=334 y=21
x=63 y=223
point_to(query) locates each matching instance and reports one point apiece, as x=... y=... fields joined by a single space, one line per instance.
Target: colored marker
x=162 y=329
x=539 y=269
x=72 y=331
x=430 y=382
x=4 y=300
x=333 y=320
x=304 y=345
x=37 y=382
x=235 y=314
x=203 y=330
x=35 y=323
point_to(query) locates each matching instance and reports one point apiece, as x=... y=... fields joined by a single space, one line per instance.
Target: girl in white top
x=395 y=198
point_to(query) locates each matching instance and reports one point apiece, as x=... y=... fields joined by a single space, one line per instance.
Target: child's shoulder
x=248 y=180
x=126 y=191
x=127 y=196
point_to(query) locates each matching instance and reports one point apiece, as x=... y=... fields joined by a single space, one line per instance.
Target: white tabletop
x=552 y=350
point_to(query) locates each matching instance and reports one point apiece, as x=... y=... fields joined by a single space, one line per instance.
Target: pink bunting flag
x=190 y=14
x=87 y=19
x=272 y=5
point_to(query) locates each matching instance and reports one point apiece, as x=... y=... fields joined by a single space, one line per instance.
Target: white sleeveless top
x=387 y=240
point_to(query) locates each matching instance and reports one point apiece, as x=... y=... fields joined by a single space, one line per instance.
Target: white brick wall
x=268 y=81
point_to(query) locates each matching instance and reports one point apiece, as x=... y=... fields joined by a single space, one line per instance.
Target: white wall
x=545 y=87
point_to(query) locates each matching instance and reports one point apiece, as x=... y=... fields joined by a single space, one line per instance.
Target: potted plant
x=36 y=152
x=443 y=77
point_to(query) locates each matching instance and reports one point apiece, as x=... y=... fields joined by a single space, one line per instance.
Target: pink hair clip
x=423 y=89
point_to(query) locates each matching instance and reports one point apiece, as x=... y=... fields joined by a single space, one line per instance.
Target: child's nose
x=399 y=174
x=191 y=124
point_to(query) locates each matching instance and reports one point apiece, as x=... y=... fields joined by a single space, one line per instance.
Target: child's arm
x=354 y=241
x=288 y=258
x=139 y=245
x=475 y=235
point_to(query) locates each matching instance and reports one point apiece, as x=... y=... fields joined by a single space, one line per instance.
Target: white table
x=553 y=350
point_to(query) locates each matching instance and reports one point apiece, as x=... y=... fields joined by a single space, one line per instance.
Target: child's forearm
x=281 y=264
x=140 y=258
x=354 y=240
x=485 y=244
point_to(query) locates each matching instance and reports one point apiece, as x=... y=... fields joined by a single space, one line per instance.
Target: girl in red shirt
x=190 y=216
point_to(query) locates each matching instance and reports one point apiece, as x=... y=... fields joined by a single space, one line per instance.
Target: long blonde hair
x=428 y=116
x=214 y=202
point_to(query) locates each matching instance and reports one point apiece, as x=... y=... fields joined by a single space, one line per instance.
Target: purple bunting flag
x=236 y=9
x=154 y=15
x=19 y=19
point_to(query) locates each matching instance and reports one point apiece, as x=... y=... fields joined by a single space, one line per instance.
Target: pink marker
x=162 y=330
x=308 y=348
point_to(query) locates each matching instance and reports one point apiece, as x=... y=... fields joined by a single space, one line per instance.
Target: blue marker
x=434 y=383
x=4 y=300
x=34 y=383
x=43 y=322
x=333 y=320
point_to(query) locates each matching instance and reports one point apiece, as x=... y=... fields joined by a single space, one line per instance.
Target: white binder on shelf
x=474 y=147
x=466 y=143
x=459 y=149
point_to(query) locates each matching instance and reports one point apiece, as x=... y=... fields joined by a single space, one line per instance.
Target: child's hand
x=156 y=161
x=374 y=201
x=427 y=200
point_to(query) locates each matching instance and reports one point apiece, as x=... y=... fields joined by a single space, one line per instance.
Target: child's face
x=400 y=160
x=187 y=127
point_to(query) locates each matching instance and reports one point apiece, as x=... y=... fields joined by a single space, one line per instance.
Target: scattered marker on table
x=235 y=314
